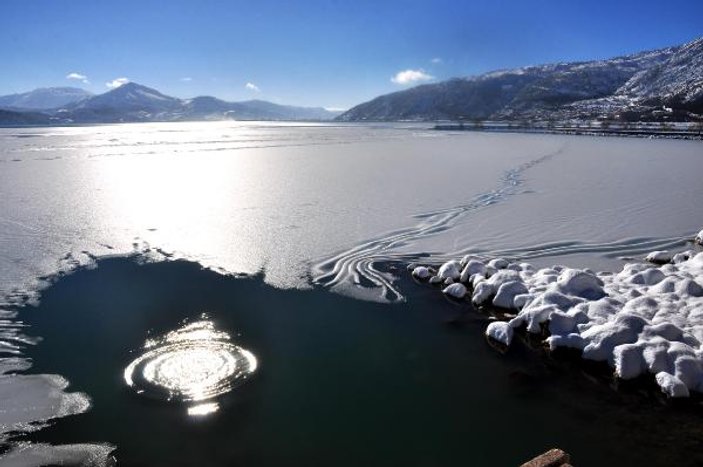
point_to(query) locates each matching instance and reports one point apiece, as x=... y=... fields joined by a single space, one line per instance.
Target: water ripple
x=194 y=363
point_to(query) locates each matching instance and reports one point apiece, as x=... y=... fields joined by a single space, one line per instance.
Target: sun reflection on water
x=194 y=363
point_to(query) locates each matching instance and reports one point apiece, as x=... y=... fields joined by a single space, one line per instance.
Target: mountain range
x=658 y=85
x=134 y=102
x=43 y=98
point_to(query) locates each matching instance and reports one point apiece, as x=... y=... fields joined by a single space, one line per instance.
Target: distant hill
x=655 y=85
x=11 y=118
x=43 y=98
x=134 y=102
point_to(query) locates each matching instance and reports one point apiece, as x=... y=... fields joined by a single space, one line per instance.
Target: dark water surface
x=341 y=382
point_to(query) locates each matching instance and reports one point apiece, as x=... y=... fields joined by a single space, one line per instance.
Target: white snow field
x=321 y=204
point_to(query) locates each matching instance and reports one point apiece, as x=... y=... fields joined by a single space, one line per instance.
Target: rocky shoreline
x=645 y=319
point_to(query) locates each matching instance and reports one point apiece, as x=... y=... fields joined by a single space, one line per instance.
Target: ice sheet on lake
x=321 y=202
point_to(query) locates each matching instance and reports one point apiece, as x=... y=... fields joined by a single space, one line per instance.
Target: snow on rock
x=456 y=290
x=671 y=385
x=505 y=296
x=659 y=257
x=644 y=319
x=421 y=272
x=472 y=267
x=450 y=270
x=500 y=331
x=499 y=263
x=699 y=238
x=483 y=292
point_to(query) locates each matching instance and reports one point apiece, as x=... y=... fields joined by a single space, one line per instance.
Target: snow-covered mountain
x=210 y=108
x=134 y=102
x=129 y=102
x=659 y=84
x=43 y=98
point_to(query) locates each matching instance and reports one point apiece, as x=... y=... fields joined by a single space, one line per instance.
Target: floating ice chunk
x=449 y=269
x=500 y=331
x=35 y=454
x=671 y=385
x=699 y=238
x=505 y=296
x=421 y=272
x=448 y=281
x=456 y=290
x=658 y=257
x=580 y=283
x=629 y=361
x=435 y=280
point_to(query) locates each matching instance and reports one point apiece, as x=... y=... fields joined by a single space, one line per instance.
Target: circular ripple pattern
x=193 y=363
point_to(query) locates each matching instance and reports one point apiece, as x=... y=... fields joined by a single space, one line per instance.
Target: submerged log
x=552 y=458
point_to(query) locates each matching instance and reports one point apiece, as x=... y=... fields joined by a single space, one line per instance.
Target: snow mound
x=645 y=319
x=658 y=257
x=455 y=290
x=421 y=272
x=500 y=331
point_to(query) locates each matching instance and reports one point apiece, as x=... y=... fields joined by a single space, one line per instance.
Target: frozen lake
x=319 y=204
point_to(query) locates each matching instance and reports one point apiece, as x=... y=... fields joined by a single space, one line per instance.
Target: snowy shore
x=647 y=318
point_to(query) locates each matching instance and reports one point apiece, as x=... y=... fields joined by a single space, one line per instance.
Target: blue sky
x=329 y=53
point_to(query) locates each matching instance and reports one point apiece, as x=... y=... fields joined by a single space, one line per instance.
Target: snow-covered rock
x=472 y=267
x=699 y=238
x=500 y=331
x=421 y=272
x=450 y=269
x=457 y=290
x=505 y=296
x=643 y=319
x=671 y=385
x=658 y=257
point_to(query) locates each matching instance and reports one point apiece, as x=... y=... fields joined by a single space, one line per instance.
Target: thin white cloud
x=411 y=76
x=78 y=77
x=336 y=109
x=436 y=60
x=252 y=87
x=187 y=79
x=116 y=83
